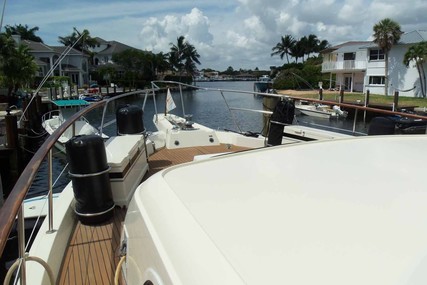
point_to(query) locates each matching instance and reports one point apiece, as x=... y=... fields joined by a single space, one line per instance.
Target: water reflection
x=208 y=107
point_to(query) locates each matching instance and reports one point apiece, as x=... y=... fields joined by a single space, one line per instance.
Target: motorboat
x=90 y=97
x=53 y=119
x=194 y=205
x=320 y=110
x=407 y=125
x=263 y=84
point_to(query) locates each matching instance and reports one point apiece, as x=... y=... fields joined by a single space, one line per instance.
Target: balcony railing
x=344 y=65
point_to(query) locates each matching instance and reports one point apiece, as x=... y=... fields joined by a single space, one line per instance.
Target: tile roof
x=36 y=46
x=61 y=49
x=352 y=46
x=413 y=37
x=347 y=46
x=115 y=47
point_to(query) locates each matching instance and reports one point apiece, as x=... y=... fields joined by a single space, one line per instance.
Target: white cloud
x=156 y=34
x=239 y=33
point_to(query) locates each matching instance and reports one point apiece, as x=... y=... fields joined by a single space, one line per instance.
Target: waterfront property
x=359 y=66
x=105 y=50
x=75 y=64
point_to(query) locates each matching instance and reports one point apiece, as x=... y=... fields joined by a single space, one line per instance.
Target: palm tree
x=19 y=68
x=284 y=47
x=176 y=54
x=183 y=56
x=386 y=34
x=298 y=50
x=418 y=54
x=310 y=44
x=86 y=41
x=24 y=31
x=322 y=45
x=7 y=45
x=160 y=62
x=191 y=57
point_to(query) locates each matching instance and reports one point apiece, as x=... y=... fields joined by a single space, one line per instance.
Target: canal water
x=209 y=108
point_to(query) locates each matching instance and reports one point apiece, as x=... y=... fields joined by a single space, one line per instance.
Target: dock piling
x=396 y=101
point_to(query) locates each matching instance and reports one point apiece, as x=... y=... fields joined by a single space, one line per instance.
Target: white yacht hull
x=244 y=218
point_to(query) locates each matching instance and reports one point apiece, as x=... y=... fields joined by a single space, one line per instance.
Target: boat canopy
x=70 y=103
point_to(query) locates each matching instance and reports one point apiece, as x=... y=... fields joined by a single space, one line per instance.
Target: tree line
x=386 y=34
x=18 y=68
x=305 y=46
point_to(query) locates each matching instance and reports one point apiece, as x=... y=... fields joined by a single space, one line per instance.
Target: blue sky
x=237 y=33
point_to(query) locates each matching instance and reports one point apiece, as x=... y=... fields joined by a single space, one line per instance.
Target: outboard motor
x=89 y=173
x=283 y=114
x=381 y=126
x=129 y=120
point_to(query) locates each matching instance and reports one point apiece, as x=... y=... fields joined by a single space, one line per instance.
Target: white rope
x=17 y=264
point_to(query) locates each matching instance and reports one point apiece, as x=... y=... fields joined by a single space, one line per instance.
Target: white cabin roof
x=350 y=211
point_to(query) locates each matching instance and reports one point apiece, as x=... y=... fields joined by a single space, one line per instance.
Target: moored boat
x=320 y=110
x=233 y=210
x=263 y=84
x=53 y=119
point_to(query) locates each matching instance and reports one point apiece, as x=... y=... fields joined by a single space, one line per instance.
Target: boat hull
x=199 y=230
x=314 y=113
x=262 y=86
x=321 y=111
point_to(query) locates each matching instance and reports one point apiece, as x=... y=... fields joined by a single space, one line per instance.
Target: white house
x=75 y=64
x=360 y=66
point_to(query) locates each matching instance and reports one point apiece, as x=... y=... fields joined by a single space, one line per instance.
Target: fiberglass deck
x=93 y=252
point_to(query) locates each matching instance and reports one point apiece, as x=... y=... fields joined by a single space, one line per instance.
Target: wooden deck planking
x=170 y=157
x=92 y=256
x=92 y=253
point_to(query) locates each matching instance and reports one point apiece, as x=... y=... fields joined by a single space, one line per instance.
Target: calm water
x=207 y=107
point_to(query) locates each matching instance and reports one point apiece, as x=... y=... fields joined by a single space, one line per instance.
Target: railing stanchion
x=50 y=193
x=182 y=100
x=21 y=246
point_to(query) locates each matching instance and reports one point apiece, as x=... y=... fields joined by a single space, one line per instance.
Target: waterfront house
x=104 y=50
x=358 y=66
x=74 y=65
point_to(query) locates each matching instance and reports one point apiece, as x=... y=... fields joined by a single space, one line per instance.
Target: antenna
x=2 y=14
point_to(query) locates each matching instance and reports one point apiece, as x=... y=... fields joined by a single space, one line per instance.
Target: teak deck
x=93 y=252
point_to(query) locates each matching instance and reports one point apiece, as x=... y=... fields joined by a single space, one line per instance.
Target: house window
x=376 y=80
x=120 y=74
x=349 y=56
x=376 y=54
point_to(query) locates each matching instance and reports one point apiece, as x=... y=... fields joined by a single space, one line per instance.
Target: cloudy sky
x=237 y=33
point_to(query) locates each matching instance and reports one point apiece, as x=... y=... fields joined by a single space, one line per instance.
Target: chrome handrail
x=357 y=108
x=12 y=205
